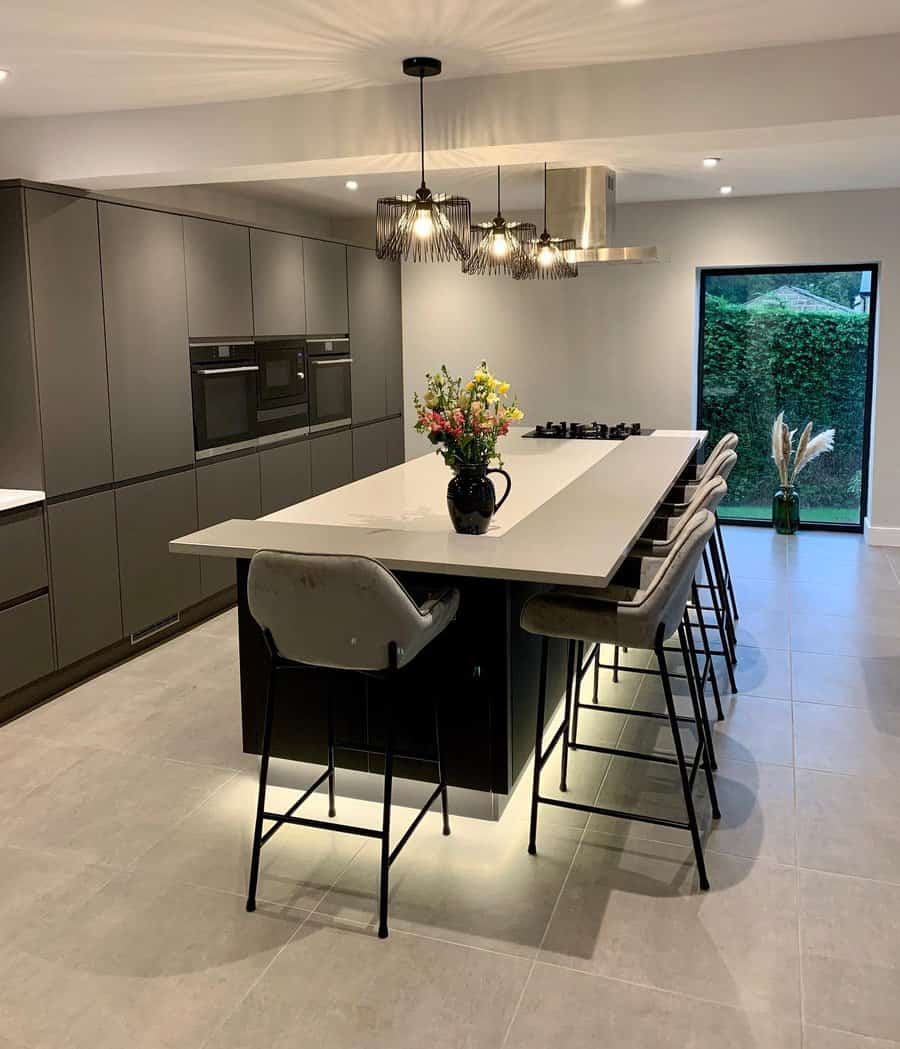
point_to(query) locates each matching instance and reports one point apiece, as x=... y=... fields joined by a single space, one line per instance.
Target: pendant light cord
x=545 y=198
x=422 y=123
x=498 y=191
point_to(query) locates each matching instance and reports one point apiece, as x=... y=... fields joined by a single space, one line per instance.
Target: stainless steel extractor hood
x=581 y=203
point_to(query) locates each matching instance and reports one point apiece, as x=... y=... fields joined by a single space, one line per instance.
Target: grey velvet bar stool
x=658 y=540
x=645 y=603
x=351 y=615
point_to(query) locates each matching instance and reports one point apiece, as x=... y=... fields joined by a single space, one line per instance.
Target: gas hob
x=592 y=431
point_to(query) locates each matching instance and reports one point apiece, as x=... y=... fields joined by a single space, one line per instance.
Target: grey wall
x=620 y=341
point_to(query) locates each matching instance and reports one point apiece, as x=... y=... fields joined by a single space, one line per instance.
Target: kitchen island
x=575 y=510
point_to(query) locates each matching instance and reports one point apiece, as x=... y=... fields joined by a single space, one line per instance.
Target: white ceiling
x=109 y=54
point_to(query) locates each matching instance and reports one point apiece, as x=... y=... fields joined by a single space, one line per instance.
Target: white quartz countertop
x=575 y=510
x=15 y=498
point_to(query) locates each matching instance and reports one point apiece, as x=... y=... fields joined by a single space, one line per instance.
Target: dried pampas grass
x=808 y=448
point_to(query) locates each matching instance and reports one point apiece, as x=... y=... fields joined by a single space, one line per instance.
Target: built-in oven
x=283 y=389
x=223 y=388
x=329 y=382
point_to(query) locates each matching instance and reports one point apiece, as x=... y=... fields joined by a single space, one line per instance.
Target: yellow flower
x=492 y=398
x=431 y=398
x=503 y=387
x=470 y=385
x=480 y=376
x=516 y=413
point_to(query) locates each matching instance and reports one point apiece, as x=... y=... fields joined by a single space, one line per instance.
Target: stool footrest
x=629 y=711
x=616 y=813
x=300 y=821
x=361 y=748
x=408 y=833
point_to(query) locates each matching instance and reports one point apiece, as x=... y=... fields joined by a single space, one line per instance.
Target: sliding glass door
x=801 y=341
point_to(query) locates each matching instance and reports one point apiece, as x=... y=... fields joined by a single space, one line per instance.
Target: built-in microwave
x=223 y=389
x=283 y=389
x=329 y=363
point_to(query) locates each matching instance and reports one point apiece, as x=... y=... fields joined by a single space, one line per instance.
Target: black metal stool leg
x=386 y=823
x=615 y=676
x=701 y=720
x=331 y=809
x=720 y=622
x=707 y=653
x=442 y=778
x=728 y=581
x=579 y=661
x=682 y=767
x=723 y=597
x=596 y=698
x=570 y=688
x=694 y=679
x=261 y=798
x=538 y=746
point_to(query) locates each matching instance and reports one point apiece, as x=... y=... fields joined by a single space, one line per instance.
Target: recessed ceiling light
x=351 y=183
x=725 y=190
x=4 y=73
x=711 y=162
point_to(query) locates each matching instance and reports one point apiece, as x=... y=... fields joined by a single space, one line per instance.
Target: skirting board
x=878 y=535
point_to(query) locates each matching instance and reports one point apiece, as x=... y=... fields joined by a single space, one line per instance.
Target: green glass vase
x=786 y=510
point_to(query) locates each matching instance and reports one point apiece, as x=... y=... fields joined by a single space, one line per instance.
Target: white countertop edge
x=16 y=498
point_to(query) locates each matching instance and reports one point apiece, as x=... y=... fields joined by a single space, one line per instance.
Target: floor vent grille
x=155 y=628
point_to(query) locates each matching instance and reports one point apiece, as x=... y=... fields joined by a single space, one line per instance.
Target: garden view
x=800 y=342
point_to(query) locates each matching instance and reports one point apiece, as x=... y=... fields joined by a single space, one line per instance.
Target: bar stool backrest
x=707 y=496
x=332 y=610
x=719 y=455
x=665 y=584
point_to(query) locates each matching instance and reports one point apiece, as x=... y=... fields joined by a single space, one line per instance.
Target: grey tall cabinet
x=69 y=341
x=217 y=265
x=279 y=298
x=376 y=328
x=325 y=278
x=145 y=307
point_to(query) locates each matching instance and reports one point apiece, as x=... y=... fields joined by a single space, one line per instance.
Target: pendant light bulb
x=499 y=246
x=423 y=227
x=545 y=255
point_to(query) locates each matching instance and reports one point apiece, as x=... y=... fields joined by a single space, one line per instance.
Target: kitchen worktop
x=575 y=510
x=16 y=498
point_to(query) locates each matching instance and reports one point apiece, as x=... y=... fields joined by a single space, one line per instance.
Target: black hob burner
x=593 y=431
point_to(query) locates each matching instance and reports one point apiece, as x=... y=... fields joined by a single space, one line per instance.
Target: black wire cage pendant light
x=548 y=258
x=499 y=246
x=425 y=226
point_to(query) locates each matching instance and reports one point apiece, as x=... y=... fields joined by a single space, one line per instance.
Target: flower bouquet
x=465 y=421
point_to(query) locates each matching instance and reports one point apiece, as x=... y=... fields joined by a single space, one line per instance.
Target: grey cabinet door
x=84 y=575
x=375 y=335
x=26 y=647
x=70 y=345
x=23 y=555
x=396 y=442
x=325 y=277
x=225 y=490
x=217 y=261
x=155 y=583
x=279 y=304
x=369 y=450
x=146 y=340
x=331 y=461
x=284 y=474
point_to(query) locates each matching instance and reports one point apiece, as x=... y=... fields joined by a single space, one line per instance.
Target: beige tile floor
x=125 y=810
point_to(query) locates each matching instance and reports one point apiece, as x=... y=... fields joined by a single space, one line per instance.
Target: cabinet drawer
x=225 y=490
x=331 y=461
x=84 y=569
x=26 y=650
x=284 y=476
x=23 y=557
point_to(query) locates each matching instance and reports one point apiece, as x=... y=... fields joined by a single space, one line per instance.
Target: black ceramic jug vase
x=471 y=498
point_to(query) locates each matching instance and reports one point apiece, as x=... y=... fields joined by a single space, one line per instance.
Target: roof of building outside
x=797 y=299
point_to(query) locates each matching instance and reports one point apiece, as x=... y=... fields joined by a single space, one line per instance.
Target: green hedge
x=813 y=365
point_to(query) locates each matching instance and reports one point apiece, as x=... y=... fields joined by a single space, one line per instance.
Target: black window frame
x=753 y=271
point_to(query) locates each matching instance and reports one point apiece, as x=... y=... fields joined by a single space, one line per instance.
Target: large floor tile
x=576 y=1011
x=848 y=825
x=847 y=681
x=479 y=886
x=760 y=595
x=876 y=637
x=759 y=672
x=634 y=910
x=813 y=599
x=756 y=804
x=339 y=987
x=851 y=954
x=211 y=848
x=823 y=1038
x=145 y=964
x=187 y=659
x=111 y=808
x=844 y=739
x=825 y=567
x=38 y=889
x=762 y=628
x=26 y=763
